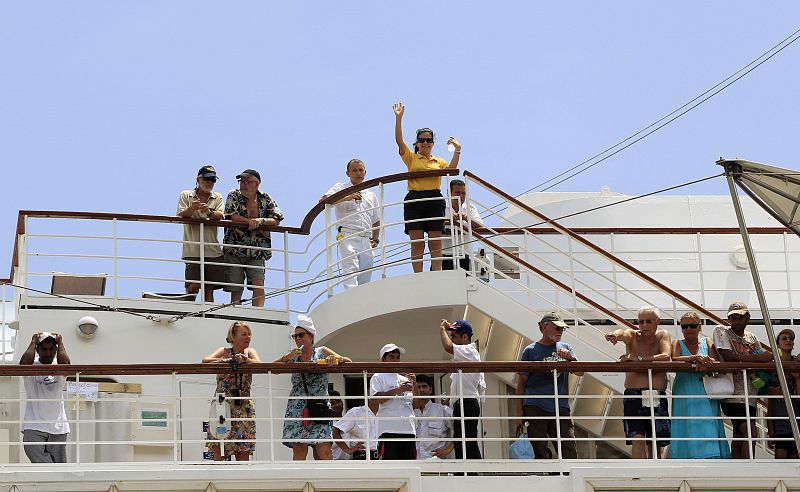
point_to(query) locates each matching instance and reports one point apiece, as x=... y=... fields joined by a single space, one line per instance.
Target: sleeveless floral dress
x=228 y=384
x=317 y=431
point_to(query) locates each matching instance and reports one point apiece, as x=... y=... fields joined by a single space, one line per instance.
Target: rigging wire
x=668 y=118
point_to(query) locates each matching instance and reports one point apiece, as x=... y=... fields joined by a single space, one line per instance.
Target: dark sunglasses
x=421 y=140
x=688 y=326
x=298 y=335
x=212 y=179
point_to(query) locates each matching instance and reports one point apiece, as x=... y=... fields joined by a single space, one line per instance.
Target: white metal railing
x=167 y=427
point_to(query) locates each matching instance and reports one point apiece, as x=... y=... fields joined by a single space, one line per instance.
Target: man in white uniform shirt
x=45 y=429
x=350 y=433
x=456 y=217
x=400 y=390
x=358 y=226
x=434 y=423
x=467 y=387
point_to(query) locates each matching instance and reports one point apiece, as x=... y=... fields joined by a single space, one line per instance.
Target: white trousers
x=355 y=254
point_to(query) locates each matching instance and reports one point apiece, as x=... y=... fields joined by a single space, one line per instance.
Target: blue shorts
x=632 y=407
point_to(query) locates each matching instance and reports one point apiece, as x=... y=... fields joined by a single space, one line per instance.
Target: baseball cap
x=390 y=347
x=462 y=326
x=45 y=335
x=249 y=173
x=306 y=323
x=207 y=172
x=554 y=318
x=737 y=307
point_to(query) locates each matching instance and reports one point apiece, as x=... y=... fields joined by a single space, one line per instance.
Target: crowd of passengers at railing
x=241 y=262
x=407 y=413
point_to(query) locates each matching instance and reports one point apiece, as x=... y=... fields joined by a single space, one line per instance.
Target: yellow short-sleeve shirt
x=416 y=162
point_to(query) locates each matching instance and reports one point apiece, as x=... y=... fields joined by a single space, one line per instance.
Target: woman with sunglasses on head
x=780 y=428
x=236 y=386
x=315 y=433
x=695 y=348
x=428 y=215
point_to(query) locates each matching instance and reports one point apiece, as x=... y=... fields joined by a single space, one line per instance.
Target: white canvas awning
x=775 y=189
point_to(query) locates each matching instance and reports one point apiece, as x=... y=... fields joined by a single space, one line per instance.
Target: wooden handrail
x=355 y=367
x=582 y=240
x=636 y=230
x=304 y=229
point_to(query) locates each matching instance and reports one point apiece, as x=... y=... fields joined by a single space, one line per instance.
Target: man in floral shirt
x=247 y=249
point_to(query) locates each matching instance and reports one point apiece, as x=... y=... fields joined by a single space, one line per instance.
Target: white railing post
x=77 y=418
x=382 y=205
x=175 y=419
x=271 y=419
x=702 y=274
x=367 y=423
x=652 y=403
x=558 y=417
x=24 y=253
x=116 y=266
x=202 y=265
x=328 y=251
x=462 y=423
x=286 y=289
x=746 y=386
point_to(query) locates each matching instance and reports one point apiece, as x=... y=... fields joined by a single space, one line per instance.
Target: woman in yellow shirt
x=428 y=215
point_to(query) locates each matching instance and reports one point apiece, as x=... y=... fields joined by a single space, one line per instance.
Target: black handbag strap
x=305 y=386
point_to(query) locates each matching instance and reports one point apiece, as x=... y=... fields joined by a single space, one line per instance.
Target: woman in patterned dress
x=234 y=385
x=318 y=432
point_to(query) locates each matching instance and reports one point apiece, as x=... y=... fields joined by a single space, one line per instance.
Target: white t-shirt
x=397 y=406
x=472 y=383
x=51 y=413
x=355 y=215
x=440 y=428
x=471 y=212
x=354 y=428
x=725 y=338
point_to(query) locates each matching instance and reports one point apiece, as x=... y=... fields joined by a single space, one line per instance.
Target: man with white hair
x=645 y=344
x=395 y=394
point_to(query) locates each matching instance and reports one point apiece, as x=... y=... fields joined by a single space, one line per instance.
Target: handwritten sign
x=86 y=391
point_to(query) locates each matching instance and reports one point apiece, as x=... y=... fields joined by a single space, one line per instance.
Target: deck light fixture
x=87 y=327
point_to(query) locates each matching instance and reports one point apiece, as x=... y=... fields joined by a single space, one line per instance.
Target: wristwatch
x=640 y=358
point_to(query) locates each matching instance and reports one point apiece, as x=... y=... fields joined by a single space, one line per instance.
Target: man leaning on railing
x=735 y=343
x=45 y=427
x=538 y=407
x=645 y=397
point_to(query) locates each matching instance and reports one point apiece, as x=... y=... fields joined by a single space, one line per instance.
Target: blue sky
x=113 y=106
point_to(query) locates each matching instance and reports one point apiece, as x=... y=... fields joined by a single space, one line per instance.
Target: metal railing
x=166 y=427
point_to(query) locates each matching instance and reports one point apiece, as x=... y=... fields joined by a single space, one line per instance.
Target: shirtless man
x=646 y=344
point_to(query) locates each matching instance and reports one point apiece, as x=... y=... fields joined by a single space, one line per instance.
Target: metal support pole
x=730 y=170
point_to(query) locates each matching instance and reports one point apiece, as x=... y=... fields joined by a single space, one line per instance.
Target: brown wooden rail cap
x=372 y=367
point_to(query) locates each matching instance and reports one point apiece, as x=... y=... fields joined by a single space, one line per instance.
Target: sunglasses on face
x=786 y=339
x=689 y=326
x=213 y=180
x=298 y=335
x=424 y=140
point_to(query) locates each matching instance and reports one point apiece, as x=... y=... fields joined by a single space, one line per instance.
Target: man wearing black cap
x=45 y=429
x=466 y=388
x=202 y=203
x=253 y=211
